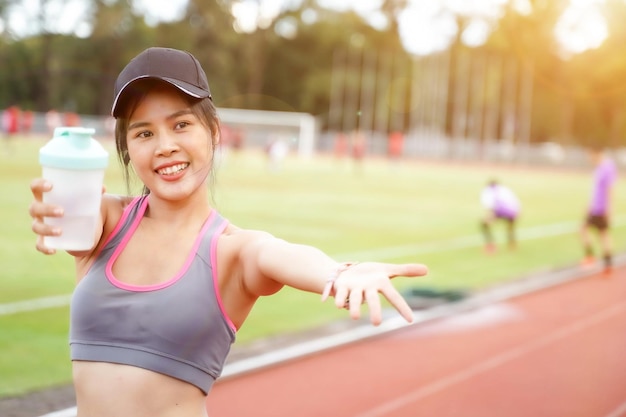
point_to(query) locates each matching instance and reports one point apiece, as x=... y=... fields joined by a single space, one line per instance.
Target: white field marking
x=379 y=254
x=496 y=361
x=619 y=411
x=420 y=248
x=68 y=412
x=486 y=316
x=36 y=304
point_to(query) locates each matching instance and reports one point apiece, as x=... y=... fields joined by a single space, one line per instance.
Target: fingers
x=407 y=270
x=355 y=300
x=373 y=302
x=398 y=302
x=341 y=296
x=42 y=229
x=43 y=248
x=38 y=210
x=364 y=284
x=38 y=186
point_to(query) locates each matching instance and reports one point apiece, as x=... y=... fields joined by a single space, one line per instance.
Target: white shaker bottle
x=74 y=163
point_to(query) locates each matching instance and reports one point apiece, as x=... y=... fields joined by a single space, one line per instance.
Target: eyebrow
x=174 y=115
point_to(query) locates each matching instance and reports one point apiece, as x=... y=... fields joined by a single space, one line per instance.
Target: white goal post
x=261 y=126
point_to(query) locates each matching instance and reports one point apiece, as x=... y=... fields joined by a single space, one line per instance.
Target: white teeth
x=174 y=169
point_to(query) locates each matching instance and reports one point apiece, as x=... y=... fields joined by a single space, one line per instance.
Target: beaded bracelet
x=333 y=277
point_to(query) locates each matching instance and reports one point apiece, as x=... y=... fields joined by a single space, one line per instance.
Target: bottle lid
x=74 y=148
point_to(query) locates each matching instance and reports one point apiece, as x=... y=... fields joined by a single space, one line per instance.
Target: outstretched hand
x=363 y=282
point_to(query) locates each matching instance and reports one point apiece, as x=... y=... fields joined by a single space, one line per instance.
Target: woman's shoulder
x=239 y=241
x=118 y=201
x=112 y=209
x=114 y=205
x=241 y=235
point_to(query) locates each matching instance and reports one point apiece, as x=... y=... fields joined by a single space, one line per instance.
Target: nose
x=167 y=144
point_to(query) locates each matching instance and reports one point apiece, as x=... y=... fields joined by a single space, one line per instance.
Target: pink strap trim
x=117 y=227
x=122 y=220
x=124 y=242
x=213 y=256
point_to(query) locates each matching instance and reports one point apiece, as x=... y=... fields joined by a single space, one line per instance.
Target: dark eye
x=144 y=134
x=181 y=124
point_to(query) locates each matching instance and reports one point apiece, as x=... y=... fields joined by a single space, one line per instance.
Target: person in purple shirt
x=598 y=214
x=501 y=203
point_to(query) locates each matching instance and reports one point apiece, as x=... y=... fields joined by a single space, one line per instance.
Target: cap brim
x=189 y=89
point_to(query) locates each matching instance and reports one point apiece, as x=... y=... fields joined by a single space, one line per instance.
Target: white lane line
x=499 y=360
x=619 y=411
x=464 y=242
x=379 y=254
x=68 y=412
x=34 y=304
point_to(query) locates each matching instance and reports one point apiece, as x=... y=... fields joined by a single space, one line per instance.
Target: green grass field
x=416 y=211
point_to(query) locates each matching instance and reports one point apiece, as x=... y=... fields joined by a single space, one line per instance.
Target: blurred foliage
x=287 y=63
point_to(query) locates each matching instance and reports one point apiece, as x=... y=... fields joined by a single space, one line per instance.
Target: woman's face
x=169 y=148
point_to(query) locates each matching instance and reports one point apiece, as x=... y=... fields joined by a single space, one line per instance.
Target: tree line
x=290 y=64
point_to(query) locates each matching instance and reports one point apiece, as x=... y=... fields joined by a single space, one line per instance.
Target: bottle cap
x=73 y=148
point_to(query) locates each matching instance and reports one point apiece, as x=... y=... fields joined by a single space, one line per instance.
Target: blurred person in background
x=169 y=281
x=598 y=214
x=71 y=118
x=501 y=204
x=358 y=147
x=277 y=150
x=28 y=119
x=395 y=146
x=10 y=126
x=340 y=145
x=53 y=120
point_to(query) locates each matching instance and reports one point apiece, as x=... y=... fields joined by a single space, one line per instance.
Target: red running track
x=559 y=352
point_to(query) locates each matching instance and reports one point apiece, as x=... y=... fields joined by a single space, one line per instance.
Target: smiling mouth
x=172 y=170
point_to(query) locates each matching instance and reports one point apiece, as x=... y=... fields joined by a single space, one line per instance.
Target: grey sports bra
x=178 y=328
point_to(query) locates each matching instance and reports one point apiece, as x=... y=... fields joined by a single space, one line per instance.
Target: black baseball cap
x=179 y=68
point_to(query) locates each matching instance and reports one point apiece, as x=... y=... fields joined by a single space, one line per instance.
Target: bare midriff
x=108 y=389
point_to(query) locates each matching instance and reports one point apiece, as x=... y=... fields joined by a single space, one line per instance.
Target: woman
x=168 y=281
